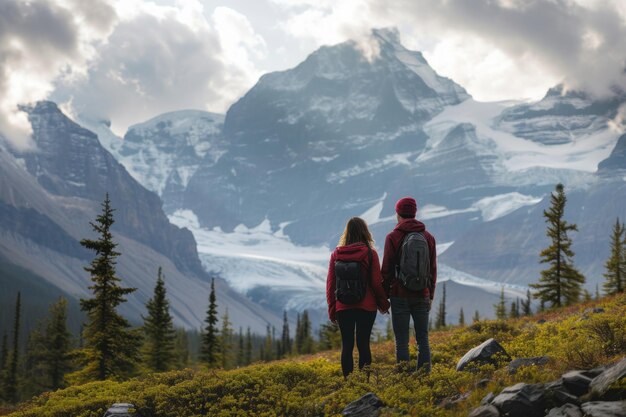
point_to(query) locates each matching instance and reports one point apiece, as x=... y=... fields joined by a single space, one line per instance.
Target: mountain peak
x=388 y=34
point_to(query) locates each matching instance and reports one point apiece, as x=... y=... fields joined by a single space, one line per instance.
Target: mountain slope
x=49 y=196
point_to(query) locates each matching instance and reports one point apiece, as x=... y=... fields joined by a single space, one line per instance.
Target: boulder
x=601 y=385
x=368 y=405
x=521 y=400
x=485 y=353
x=485 y=411
x=557 y=394
x=567 y=410
x=487 y=399
x=541 y=321
x=605 y=409
x=520 y=362
x=577 y=382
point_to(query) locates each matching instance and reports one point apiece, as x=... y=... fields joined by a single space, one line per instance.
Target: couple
x=357 y=286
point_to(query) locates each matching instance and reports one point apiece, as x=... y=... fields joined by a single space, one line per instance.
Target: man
x=406 y=303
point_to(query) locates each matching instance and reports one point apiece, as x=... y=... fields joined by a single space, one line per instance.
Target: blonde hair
x=356 y=231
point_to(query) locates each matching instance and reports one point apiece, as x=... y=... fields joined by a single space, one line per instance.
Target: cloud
x=165 y=58
x=39 y=42
x=528 y=45
x=123 y=60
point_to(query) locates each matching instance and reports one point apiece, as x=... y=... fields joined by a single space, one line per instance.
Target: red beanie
x=406 y=207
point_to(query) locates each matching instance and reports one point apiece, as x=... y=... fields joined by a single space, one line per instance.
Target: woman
x=355 y=311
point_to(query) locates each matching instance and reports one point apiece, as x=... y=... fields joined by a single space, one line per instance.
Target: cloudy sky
x=130 y=60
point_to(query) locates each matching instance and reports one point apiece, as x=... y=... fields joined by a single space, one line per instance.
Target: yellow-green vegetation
x=313 y=385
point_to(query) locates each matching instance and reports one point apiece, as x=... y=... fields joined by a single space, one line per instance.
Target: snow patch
x=442 y=247
x=583 y=153
x=500 y=205
x=372 y=215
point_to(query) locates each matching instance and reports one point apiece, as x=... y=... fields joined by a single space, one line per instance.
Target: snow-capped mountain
x=49 y=196
x=164 y=152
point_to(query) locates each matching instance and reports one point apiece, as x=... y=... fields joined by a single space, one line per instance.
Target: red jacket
x=393 y=244
x=374 y=293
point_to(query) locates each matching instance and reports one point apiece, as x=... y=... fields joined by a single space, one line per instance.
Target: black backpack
x=350 y=285
x=413 y=271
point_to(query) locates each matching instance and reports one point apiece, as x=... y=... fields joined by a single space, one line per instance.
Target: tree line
x=109 y=347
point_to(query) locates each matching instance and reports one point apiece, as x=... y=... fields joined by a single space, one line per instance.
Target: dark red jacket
x=393 y=244
x=374 y=294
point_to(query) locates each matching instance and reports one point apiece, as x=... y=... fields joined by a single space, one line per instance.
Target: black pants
x=362 y=321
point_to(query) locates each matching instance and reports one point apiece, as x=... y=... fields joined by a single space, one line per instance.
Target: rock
x=482 y=354
x=519 y=362
x=483 y=383
x=541 y=321
x=567 y=410
x=485 y=411
x=521 y=400
x=605 y=409
x=557 y=394
x=594 y=310
x=368 y=405
x=577 y=382
x=487 y=399
x=601 y=384
x=451 y=402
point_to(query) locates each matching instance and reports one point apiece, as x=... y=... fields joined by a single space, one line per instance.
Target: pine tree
x=597 y=297
x=240 y=349
x=440 y=322
x=526 y=304
x=11 y=382
x=268 y=345
x=616 y=264
x=181 y=349
x=500 y=308
x=389 y=335
x=514 y=312
x=159 y=330
x=461 y=317
x=476 y=317
x=285 y=338
x=306 y=333
x=248 y=348
x=330 y=338
x=111 y=347
x=210 y=342
x=298 y=334
x=59 y=343
x=561 y=283
x=32 y=372
x=226 y=341
x=4 y=359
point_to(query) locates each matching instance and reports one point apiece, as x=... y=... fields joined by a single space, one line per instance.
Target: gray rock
x=577 y=382
x=483 y=354
x=368 y=405
x=605 y=409
x=487 y=399
x=485 y=411
x=519 y=362
x=567 y=410
x=601 y=384
x=541 y=321
x=483 y=383
x=521 y=400
x=557 y=394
